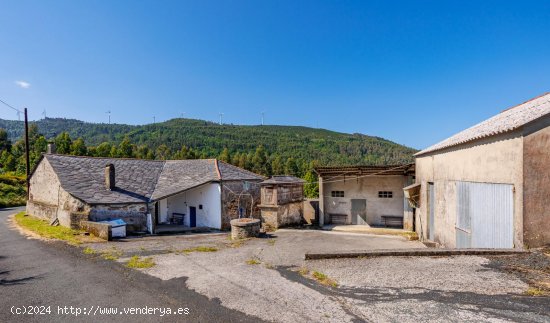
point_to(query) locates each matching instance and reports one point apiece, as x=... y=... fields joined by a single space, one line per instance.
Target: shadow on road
x=18 y=281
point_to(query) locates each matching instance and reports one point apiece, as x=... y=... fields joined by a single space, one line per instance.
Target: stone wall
x=311 y=211
x=278 y=216
x=235 y=195
x=100 y=230
x=135 y=215
x=48 y=200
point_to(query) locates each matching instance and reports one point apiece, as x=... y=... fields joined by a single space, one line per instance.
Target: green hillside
x=208 y=139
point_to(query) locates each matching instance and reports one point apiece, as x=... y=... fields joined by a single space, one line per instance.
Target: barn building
x=365 y=195
x=489 y=185
x=185 y=193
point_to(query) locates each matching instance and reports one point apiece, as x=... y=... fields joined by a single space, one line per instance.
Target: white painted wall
x=364 y=188
x=208 y=195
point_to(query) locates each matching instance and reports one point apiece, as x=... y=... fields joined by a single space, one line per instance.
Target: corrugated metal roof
x=365 y=170
x=136 y=180
x=508 y=120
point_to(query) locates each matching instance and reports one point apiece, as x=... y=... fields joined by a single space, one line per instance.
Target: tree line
x=258 y=160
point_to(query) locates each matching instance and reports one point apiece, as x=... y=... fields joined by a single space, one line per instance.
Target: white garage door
x=485 y=215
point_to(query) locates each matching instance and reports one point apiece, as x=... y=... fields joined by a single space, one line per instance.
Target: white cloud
x=23 y=84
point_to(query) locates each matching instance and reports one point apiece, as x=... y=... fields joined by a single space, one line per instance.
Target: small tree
x=225 y=156
x=78 y=148
x=311 y=188
x=63 y=143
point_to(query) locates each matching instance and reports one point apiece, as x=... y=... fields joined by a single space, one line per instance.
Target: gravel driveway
x=266 y=278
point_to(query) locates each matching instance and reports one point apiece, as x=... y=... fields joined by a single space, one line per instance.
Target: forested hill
x=208 y=139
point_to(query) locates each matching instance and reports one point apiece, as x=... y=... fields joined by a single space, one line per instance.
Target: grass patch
x=412 y=236
x=253 y=262
x=237 y=243
x=303 y=271
x=89 y=251
x=197 y=249
x=533 y=291
x=138 y=262
x=44 y=229
x=271 y=242
x=111 y=254
x=324 y=279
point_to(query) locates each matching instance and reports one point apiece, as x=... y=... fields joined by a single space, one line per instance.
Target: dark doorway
x=192 y=216
x=157 y=210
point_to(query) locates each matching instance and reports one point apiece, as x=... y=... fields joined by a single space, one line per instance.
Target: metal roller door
x=485 y=215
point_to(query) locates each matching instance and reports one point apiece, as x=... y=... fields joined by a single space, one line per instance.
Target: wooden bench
x=338 y=218
x=177 y=218
x=392 y=221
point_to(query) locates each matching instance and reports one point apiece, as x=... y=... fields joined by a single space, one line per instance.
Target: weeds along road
x=39 y=276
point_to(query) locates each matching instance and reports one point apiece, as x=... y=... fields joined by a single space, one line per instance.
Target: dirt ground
x=533 y=268
x=268 y=278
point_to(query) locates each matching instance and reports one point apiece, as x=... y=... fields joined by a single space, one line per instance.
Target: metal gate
x=431 y=214
x=485 y=215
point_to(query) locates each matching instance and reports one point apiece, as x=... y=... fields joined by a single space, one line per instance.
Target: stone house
x=282 y=202
x=365 y=195
x=488 y=186
x=187 y=193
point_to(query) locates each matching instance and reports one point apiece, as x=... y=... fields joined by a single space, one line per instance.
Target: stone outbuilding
x=489 y=185
x=365 y=195
x=147 y=194
x=282 y=202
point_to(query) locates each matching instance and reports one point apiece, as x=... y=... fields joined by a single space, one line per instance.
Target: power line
x=15 y=109
x=10 y=106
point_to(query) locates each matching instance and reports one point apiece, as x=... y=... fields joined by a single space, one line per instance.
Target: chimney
x=110 y=177
x=51 y=149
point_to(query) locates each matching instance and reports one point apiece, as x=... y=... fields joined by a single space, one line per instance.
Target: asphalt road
x=37 y=276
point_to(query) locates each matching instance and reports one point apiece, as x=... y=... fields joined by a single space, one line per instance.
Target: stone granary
x=187 y=193
x=488 y=186
x=282 y=202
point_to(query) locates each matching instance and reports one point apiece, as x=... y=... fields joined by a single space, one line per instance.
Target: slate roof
x=138 y=181
x=283 y=179
x=508 y=120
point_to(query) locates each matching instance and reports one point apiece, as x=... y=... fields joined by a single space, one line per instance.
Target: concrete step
x=424 y=252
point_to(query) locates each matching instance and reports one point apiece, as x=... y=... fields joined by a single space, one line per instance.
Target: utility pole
x=27 y=159
x=154 y=119
x=221 y=119
x=109 y=113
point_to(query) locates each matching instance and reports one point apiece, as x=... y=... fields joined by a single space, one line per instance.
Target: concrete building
x=282 y=202
x=488 y=186
x=365 y=195
x=178 y=193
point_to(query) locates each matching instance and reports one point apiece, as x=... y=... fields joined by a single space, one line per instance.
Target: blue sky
x=414 y=72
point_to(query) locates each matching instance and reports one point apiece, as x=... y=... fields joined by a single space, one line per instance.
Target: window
x=385 y=194
x=337 y=193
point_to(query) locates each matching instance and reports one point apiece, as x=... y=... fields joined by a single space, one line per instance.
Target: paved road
x=35 y=273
